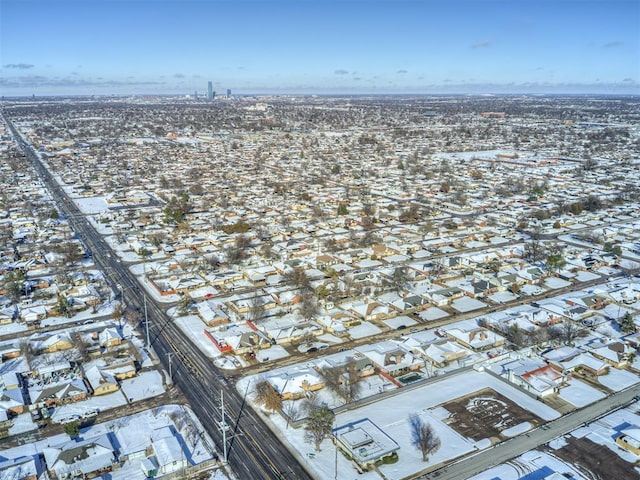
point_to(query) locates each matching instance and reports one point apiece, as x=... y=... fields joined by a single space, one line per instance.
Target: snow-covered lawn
x=146 y=385
x=91 y=204
x=193 y=328
x=617 y=380
x=579 y=394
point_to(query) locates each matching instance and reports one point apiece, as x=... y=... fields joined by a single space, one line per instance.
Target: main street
x=252 y=449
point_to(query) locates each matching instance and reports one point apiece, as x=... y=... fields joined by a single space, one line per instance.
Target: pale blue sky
x=361 y=46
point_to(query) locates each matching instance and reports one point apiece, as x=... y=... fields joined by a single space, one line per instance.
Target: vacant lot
x=485 y=414
x=595 y=461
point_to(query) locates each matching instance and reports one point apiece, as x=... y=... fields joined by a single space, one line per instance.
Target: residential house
x=616 y=354
x=369 y=309
x=211 y=314
x=9 y=351
x=390 y=358
x=53 y=343
x=121 y=370
x=238 y=338
x=477 y=338
x=534 y=376
x=84 y=459
x=12 y=401
x=67 y=391
x=629 y=439
x=168 y=452
x=445 y=296
x=109 y=337
x=289 y=329
x=365 y=443
x=568 y=359
x=21 y=468
x=102 y=382
x=296 y=383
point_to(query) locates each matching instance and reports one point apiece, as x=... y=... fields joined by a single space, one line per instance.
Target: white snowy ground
x=579 y=394
x=193 y=327
x=91 y=205
x=391 y=415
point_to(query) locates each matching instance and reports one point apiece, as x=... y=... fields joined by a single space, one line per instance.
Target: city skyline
x=156 y=47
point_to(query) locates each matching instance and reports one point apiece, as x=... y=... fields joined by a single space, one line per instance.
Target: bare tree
x=132 y=316
x=118 y=312
x=27 y=350
x=400 y=279
x=309 y=308
x=534 y=250
x=256 y=308
x=268 y=396
x=81 y=345
x=423 y=437
x=568 y=331
x=291 y=411
x=299 y=279
x=343 y=380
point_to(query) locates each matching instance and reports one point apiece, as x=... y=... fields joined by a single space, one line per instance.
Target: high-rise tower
x=210 y=91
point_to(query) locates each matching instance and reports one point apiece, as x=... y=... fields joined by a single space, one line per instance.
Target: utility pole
x=335 y=472
x=146 y=321
x=170 y=357
x=223 y=426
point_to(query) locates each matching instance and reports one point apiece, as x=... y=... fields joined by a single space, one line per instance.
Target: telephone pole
x=146 y=321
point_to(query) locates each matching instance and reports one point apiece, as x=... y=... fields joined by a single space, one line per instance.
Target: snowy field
x=391 y=415
x=91 y=205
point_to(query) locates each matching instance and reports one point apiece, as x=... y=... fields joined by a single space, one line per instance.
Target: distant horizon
x=58 y=47
x=203 y=99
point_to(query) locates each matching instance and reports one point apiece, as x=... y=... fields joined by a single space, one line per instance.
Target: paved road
x=253 y=450
x=504 y=451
